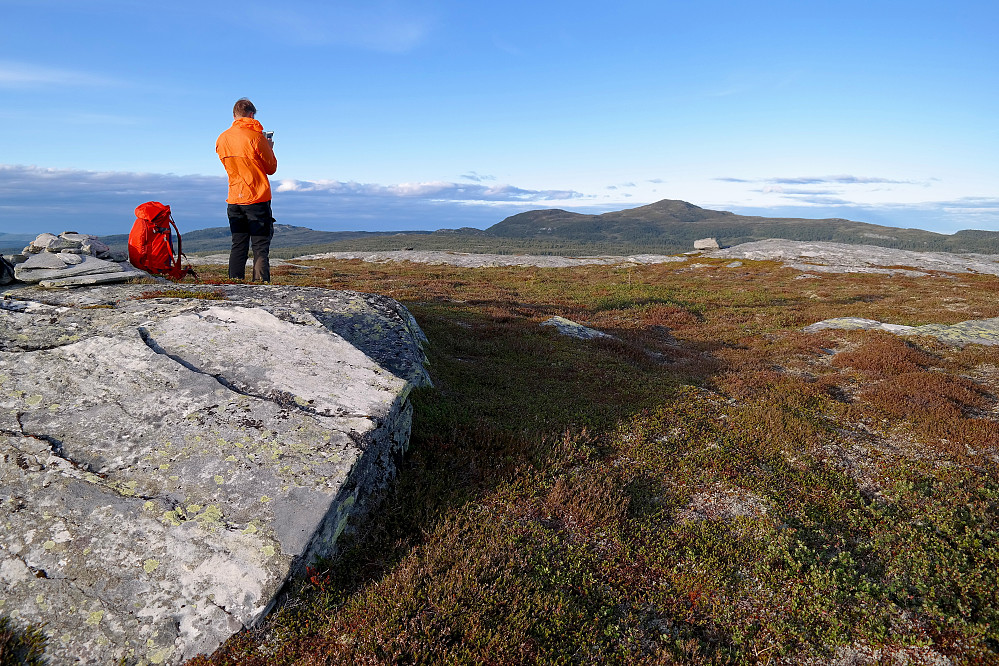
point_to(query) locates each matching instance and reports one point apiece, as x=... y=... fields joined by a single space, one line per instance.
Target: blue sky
x=437 y=113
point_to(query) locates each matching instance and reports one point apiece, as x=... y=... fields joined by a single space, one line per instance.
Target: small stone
x=60 y=244
x=574 y=330
x=40 y=244
x=95 y=247
x=74 y=237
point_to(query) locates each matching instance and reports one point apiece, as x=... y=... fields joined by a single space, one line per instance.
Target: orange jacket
x=248 y=159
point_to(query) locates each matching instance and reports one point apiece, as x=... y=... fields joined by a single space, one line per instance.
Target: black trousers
x=250 y=223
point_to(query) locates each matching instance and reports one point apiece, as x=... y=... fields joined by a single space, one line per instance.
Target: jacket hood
x=248 y=123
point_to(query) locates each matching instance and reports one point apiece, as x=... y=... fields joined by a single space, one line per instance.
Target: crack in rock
x=169 y=469
x=282 y=399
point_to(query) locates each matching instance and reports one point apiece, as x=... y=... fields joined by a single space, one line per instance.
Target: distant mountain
x=664 y=227
x=14 y=243
x=678 y=224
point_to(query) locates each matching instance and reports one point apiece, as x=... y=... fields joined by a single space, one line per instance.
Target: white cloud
x=378 y=25
x=35 y=199
x=844 y=179
x=838 y=180
x=436 y=190
x=477 y=177
x=22 y=75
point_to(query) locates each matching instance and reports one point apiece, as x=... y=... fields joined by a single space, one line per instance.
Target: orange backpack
x=149 y=245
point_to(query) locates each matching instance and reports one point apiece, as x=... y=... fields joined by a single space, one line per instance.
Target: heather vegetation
x=712 y=485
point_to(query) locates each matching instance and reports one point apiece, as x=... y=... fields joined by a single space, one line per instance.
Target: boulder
x=170 y=460
x=706 y=244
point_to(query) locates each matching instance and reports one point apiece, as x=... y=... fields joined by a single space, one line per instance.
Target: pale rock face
x=976 y=331
x=467 y=259
x=706 y=244
x=825 y=257
x=50 y=260
x=177 y=460
x=28 y=272
x=573 y=329
x=61 y=261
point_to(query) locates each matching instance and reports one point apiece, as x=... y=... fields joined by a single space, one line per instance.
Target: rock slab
x=167 y=464
x=828 y=257
x=70 y=260
x=975 y=331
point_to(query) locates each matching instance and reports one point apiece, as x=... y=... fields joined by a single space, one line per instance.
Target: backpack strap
x=176 y=270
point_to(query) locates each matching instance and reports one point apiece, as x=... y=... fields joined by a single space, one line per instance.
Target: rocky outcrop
x=71 y=259
x=813 y=257
x=823 y=257
x=469 y=259
x=706 y=244
x=977 y=331
x=168 y=462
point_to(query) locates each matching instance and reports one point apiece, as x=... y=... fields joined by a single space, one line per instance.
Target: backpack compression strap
x=176 y=269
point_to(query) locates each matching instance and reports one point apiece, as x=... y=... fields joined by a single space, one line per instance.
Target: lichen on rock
x=138 y=443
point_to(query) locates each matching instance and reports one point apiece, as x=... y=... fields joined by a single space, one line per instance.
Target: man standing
x=248 y=157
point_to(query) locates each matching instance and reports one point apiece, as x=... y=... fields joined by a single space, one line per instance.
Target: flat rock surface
x=817 y=257
x=976 y=331
x=168 y=463
x=472 y=260
x=466 y=259
x=843 y=258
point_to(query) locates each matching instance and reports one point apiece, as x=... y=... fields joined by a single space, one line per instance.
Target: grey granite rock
x=978 y=331
x=58 y=261
x=465 y=259
x=48 y=260
x=573 y=329
x=41 y=243
x=706 y=244
x=168 y=463
x=843 y=258
x=473 y=260
x=126 y=272
x=90 y=265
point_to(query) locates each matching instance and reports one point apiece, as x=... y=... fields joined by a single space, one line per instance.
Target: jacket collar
x=248 y=123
